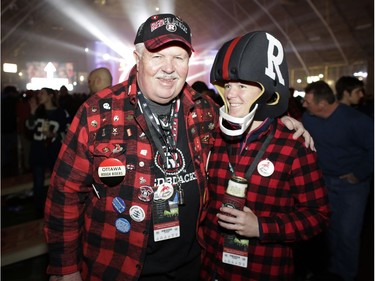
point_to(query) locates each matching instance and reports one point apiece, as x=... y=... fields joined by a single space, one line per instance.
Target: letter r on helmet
x=274 y=62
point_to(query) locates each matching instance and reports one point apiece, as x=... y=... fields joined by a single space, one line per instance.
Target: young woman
x=265 y=189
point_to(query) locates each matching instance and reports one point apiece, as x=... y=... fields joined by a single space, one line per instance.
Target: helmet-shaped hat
x=255 y=57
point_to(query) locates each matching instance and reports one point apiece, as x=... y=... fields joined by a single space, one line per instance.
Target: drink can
x=235 y=194
x=237 y=186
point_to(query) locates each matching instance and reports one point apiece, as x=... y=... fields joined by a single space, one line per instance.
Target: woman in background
x=48 y=123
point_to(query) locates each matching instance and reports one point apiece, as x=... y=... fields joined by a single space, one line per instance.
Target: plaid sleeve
x=63 y=209
x=310 y=212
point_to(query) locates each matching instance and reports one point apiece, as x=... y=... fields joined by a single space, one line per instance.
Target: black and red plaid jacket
x=79 y=227
x=290 y=204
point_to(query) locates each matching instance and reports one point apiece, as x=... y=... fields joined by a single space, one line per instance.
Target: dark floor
x=28 y=270
x=15 y=209
x=311 y=260
x=19 y=208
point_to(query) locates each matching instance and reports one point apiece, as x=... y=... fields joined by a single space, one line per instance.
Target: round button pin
x=137 y=213
x=265 y=168
x=111 y=171
x=122 y=225
x=145 y=193
x=118 y=204
x=164 y=191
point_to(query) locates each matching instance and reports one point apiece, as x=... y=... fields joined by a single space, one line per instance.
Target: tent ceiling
x=315 y=33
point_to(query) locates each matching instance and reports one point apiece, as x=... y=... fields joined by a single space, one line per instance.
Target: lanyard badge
x=166 y=213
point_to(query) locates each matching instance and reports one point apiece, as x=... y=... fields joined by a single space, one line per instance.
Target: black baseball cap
x=161 y=29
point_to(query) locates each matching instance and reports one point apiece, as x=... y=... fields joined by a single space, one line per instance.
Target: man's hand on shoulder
x=293 y=124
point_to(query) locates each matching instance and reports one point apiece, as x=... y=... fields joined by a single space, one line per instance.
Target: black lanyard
x=260 y=153
x=163 y=128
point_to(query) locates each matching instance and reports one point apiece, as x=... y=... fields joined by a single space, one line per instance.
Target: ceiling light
x=10 y=67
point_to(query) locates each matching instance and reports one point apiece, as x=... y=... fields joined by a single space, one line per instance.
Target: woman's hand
x=244 y=223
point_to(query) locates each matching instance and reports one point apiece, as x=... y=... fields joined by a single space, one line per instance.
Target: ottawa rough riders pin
x=111 y=171
x=265 y=168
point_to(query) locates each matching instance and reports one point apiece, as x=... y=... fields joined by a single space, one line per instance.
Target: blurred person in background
x=99 y=79
x=24 y=135
x=351 y=91
x=66 y=101
x=9 y=159
x=344 y=140
x=47 y=123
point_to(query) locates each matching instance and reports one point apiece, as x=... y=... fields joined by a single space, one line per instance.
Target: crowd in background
x=15 y=137
x=15 y=110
